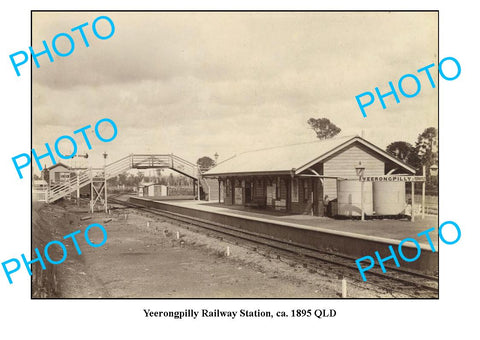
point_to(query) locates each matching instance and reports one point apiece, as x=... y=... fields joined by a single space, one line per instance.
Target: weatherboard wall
x=343 y=165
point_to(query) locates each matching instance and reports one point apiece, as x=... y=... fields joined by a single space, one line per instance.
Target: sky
x=197 y=83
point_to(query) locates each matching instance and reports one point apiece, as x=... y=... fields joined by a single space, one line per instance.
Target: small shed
x=143 y=188
x=152 y=190
x=58 y=174
x=157 y=190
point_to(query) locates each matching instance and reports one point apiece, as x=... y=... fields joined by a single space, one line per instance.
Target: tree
x=158 y=175
x=426 y=142
x=205 y=163
x=139 y=178
x=323 y=128
x=163 y=181
x=113 y=181
x=425 y=153
x=45 y=175
x=122 y=178
x=400 y=149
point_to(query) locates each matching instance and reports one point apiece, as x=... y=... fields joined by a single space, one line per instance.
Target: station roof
x=296 y=157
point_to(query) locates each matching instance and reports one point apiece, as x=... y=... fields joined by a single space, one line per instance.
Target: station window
x=259 y=187
x=228 y=188
x=295 y=190
x=306 y=193
x=277 y=189
x=283 y=189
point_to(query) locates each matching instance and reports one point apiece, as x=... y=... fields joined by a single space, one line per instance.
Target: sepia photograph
x=234 y=154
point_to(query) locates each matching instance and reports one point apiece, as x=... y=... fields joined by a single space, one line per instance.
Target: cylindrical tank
x=388 y=198
x=349 y=198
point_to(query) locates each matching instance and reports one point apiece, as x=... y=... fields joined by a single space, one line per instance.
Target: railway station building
x=300 y=178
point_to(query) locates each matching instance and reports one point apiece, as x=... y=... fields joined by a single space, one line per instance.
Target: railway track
x=395 y=281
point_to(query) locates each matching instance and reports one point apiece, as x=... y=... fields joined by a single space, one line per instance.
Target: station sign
x=393 y=178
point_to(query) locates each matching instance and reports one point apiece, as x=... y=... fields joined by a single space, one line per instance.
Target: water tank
x=349 y=198
x=388 y=198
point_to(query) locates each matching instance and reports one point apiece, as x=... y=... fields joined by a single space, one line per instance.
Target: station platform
x=388 y=230
x=345 y=236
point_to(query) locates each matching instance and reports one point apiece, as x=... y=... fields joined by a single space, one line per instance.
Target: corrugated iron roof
x=288 y=157
x=276 y=159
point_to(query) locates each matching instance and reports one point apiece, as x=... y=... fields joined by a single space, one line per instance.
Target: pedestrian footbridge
x=132 y=161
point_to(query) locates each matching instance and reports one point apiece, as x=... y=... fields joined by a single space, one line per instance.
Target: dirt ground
x=143 y=258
